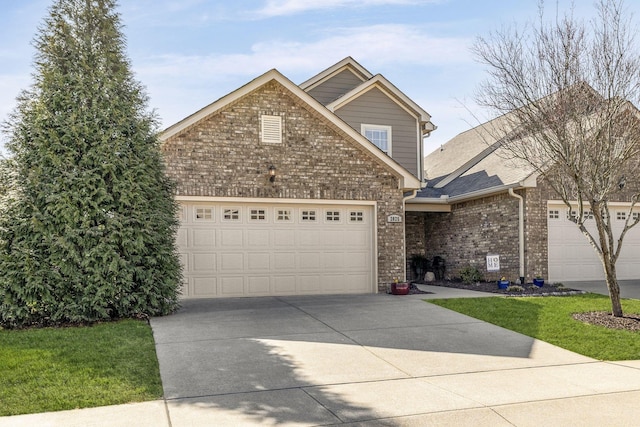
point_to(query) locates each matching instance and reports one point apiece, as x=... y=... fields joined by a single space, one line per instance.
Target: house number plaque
x=394 y=218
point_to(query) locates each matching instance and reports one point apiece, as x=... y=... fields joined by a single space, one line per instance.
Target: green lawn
x=54 y=369
x=549 y=319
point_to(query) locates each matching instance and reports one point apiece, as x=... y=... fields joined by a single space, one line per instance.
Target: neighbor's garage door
x=253 y=249
x=571 y=257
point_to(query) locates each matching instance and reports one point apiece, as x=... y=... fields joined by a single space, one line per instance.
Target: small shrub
x=533 y=287
x=515 y=288
x=470 y=275
x=558 y=285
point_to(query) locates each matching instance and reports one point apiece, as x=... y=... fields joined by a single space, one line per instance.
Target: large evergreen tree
x=88 y=228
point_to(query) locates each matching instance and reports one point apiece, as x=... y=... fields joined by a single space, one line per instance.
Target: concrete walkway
x=362 y=360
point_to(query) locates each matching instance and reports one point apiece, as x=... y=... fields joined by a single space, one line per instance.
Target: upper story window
x=378 y=134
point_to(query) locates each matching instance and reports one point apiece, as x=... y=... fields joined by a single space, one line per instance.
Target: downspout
x=413 y=194
x=520 y=231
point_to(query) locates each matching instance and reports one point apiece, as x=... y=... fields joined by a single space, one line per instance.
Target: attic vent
x=271 y=129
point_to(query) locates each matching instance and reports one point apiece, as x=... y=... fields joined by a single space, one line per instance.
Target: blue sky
x=188 y=53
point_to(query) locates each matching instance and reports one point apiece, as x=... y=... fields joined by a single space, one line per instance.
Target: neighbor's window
x=621 y=216
x=204 y=213
x=554 y=214
x=635 y=216
x=378 y=134
x=231 y=214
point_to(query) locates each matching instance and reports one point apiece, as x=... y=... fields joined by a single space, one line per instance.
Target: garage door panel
x=205 y=286
x=284 y=261
x=280 y=251
x=231 y=238
x=308 y=284
x=357 y=238
x=232 y=262
x=308 y=238
x=333 y=260
x=259 y=261
x=232 y=286
x=258 y=238
x=203 y=262
x=284 y=285
x=334 y=238
x=308 y=260
x=356 y=260
x=182 y=237
x=259 y=285
x=203 y=237
x=284 y=238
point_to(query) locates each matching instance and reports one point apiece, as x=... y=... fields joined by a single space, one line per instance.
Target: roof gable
x=406 y=179
x=347 y=64
x=391 y=91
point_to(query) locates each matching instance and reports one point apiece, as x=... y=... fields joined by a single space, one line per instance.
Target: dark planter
x=538 y=282
x=400 y=288
x=503 y=284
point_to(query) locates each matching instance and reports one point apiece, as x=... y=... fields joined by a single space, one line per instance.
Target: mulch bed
x=529 y=289
x=628 y=322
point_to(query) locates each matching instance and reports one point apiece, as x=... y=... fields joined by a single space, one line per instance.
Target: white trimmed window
x=621 y=215
x=554 y=214
x=283 y=215
x=332 y=216
x=356 y=216
x=231 y=214
x=257 y=215
x=378 y=134
x=271 y=129
x=204 y=214
x=308 y=216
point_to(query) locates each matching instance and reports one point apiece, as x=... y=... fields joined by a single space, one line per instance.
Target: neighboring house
x=476 y=203
x=283 y=192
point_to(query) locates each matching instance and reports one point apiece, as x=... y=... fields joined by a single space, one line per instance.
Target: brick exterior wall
x=222 y=156
x=473 y=229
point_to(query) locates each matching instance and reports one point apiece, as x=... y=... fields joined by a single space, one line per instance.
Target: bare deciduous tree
x=567 y=90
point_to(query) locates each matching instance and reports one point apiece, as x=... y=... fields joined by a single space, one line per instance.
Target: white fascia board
x=347 y=62
x=215 y=199
x=406 y=179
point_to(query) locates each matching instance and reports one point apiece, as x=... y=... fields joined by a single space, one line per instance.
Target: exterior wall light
x=272 y=173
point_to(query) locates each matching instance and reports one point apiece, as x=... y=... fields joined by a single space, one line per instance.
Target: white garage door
x=258 y=249
x=571 y=257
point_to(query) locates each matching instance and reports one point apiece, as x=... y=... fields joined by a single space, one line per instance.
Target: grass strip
x=54 y=369
x=549 y=319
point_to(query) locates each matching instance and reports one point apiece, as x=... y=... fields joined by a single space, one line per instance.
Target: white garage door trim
x=571 y=257
x=238 y=247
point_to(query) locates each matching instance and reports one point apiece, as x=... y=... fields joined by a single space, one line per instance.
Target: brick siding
x=222 y=156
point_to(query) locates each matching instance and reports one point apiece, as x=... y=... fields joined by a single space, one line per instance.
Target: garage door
x=571 y=257
x=259 y=249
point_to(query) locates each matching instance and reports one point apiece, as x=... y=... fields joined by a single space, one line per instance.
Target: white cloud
x=291 y=7
x=180 y=84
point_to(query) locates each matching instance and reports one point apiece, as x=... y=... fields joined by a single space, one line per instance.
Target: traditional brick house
x=283 y=192
x=476 y=203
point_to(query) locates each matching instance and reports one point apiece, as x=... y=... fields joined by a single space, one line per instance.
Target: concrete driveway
x=628 y=288
x=375 y=359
